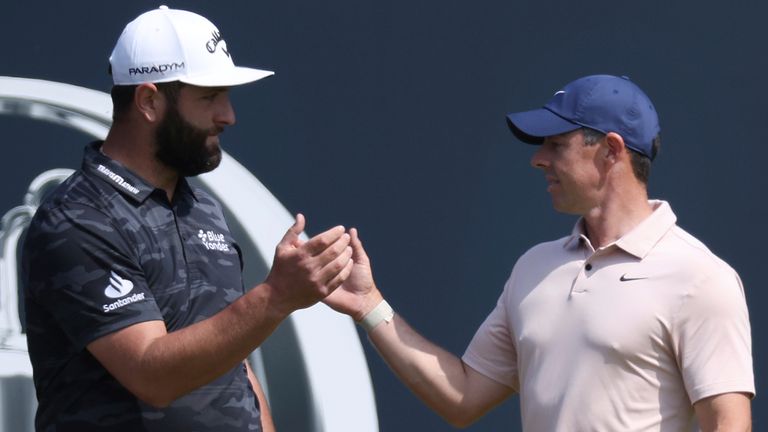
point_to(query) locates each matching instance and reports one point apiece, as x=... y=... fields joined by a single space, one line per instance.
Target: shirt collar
x=577 y=235
x=641 y=239
x=121 y=178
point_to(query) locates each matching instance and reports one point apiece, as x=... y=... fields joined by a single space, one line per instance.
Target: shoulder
x=548 y=251
x=709 y=286
x=74 y=202
x=539 y=260
x=67 y=202
x=78 y=213
x=79 y=190
x=693 y=257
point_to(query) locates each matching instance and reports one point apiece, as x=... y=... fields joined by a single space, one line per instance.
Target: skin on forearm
x=439 y=378
x=454 y=390
x=727 y=412
x=159 y=367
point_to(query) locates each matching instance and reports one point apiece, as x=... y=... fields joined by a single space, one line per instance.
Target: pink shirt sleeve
x=711 y=335
x=492 y=350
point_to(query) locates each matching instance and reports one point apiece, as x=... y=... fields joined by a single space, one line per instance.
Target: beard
x=183 y=146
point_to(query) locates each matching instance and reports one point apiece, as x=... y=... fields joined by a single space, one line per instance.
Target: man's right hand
x=158 y=367
x=358 y=295
x=304 y=273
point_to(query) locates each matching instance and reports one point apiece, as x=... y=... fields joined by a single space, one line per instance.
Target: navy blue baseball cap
x=605 y=103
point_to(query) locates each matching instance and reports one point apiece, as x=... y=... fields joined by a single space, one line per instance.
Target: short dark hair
x=641 y=164
x=122 y=96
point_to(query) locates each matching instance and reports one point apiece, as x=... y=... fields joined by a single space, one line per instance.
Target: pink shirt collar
x=641 y=239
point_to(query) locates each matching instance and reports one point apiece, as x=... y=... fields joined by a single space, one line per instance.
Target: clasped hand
x=331 y=266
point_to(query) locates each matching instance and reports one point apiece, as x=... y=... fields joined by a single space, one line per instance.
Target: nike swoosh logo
x=624 y=278
x=559 y=92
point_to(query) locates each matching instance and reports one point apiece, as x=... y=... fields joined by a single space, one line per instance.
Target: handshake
x=331 y=267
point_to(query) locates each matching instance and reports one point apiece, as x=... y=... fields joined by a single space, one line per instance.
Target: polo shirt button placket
x=579 y=281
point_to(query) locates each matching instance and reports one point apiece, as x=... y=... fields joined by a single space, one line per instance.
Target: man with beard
x=137 y=317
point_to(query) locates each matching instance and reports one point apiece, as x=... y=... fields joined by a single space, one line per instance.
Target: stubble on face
x=573 y=179
x=184 y=147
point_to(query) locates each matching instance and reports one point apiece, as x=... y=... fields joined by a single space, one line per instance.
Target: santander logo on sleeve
x=118 y=288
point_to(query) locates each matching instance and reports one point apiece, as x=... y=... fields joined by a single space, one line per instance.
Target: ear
x=149 y=102
x=615 y=149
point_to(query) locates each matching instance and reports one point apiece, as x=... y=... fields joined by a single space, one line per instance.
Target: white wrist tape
x=382 y=312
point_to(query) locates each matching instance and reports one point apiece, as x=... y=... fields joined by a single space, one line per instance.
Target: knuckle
x=338 y=266
x=323 y=245
x=314 y=279
x=342 y=247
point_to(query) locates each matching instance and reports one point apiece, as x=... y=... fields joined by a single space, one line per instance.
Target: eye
x=552 y=144
x=212 y=93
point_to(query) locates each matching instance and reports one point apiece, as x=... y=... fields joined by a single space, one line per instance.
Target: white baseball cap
x=165 y=45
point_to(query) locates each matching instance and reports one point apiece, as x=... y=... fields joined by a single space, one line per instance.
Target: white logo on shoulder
x=118 y=288
x=559 y=92
x=213 y=240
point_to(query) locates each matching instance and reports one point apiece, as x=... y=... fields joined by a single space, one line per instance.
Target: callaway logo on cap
x=165 y=45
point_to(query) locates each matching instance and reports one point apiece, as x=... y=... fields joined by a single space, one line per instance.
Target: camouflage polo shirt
x=105 y=251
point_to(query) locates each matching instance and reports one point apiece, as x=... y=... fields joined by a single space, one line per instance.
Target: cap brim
x=533 y=126
x=232 y=77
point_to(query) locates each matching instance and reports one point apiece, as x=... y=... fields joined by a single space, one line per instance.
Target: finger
x=319 y=243
x=341 y=277
x=331 y=270
x=332 y=252
x=359 y=254
x=291 y=236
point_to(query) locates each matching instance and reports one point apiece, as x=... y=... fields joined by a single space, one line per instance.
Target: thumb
x=358 y=252
x=291 y=236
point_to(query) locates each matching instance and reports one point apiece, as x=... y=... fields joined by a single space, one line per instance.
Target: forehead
x=197 y=90
x=565 y=137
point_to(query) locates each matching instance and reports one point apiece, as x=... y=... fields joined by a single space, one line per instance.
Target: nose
x=225 y=114
x=539 y=160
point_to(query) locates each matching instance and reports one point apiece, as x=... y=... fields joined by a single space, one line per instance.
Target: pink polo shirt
x=623 y=338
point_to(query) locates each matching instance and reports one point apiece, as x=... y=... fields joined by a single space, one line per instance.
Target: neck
x=137 y=154
x=620 y=212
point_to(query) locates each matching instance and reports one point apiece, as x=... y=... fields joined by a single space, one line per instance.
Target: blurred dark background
x=389 y=116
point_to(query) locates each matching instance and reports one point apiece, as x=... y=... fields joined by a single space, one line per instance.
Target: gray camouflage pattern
x=106 y=251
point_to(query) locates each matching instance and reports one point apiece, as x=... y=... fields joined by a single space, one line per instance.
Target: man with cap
x=627 y=324
x=137 y=317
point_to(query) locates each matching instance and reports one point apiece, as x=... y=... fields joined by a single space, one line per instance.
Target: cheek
x=195 y=123
x=579 y=176
x=589 y=176
x=193 y=117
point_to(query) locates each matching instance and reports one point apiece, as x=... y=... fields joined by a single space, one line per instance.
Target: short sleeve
x=492 y=350
x=712 y=337
x=81 y=270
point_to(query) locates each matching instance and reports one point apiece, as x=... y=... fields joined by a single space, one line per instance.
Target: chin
x=564 y=208
x=213 y=143
x=212 y=163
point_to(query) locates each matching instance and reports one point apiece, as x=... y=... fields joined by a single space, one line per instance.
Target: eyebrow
x=214 y=90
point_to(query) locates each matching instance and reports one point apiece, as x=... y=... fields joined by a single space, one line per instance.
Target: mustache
x=216 y=130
